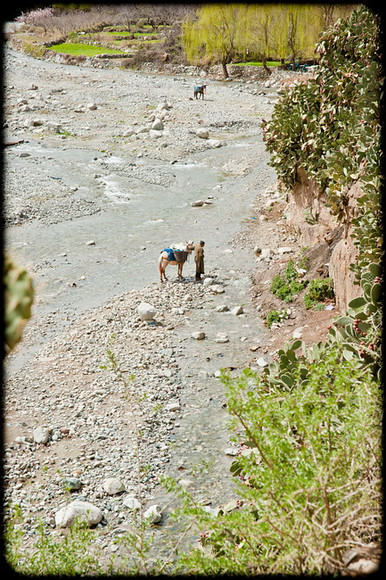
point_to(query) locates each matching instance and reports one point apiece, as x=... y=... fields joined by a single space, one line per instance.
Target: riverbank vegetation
x=225 y=33
x=258 y=34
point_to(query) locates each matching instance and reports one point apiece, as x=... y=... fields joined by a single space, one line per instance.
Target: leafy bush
x=286 y=285
x=318 y=290
x=70 y=554
x=308 y=473
x=360 y=330
x=276 y=316
x=18 y=299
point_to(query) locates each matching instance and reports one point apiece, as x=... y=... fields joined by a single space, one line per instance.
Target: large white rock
x=217 y=289
x=157 y=125
x=112 y=485
x=198 y=335
x=208 y=281
x=65 y=517
x=132 y=503
x=266 y=252
x=222 y=308
x=262 y=362
x=284 y=250
x=146 y=311
x=41 y=435
x=153 y=514
x=221 y=337
x=203 y=133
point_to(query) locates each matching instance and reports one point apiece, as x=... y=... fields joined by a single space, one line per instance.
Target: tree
x=222 y=32
x=215 y=34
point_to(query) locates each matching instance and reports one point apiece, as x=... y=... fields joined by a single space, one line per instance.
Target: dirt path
x=93 y=194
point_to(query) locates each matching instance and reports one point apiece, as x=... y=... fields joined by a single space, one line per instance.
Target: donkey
x=168 y=256
x=199 y=91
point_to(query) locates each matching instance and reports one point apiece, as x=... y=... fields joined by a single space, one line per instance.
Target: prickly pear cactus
x=18 y=298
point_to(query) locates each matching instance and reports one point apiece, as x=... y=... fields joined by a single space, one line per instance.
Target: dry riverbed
x=105 y=169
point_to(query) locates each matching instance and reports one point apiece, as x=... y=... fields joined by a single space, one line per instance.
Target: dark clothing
x=199 y=259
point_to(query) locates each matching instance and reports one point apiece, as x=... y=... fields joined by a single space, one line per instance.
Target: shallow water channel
x=81 y=263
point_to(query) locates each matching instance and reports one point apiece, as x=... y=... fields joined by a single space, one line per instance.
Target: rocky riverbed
x=105 y=168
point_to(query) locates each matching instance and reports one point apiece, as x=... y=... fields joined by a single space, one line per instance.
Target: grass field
x=256 y=63
x=78 y=49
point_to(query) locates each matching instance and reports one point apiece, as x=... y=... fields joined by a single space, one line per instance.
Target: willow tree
x=258 y=35
x=222 y=32
x=215 y=34
x=294 y=30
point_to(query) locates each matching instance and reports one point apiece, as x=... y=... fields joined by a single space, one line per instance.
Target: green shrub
x=70 y=554
x=318 y=290
x=35 y=50
x=79 y=49
x=309 y=476
x=276 y=316
x=287 y=284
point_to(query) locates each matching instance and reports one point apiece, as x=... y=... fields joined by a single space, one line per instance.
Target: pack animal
x=199 y=91
x=168 y=256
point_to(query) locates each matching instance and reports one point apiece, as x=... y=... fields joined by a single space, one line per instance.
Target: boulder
x=202 y=133
x=112 y=486
x=41 y=435
x=237 y=310
x=146 y=311
x=266 y=252
x=132 y=503
x=65 y=517
x=262 y=362
x=208 y=281
x=173 y=406
x=214 y=143
x=200 y=335
x=71 y=484
x=217 y=289
x=157 y=125
x=222 y=308
x=221 y=337
x=153 y=134
x=153 y=514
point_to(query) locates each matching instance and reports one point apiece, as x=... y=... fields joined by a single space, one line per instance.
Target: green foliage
x=79 y=49
x=319 y=290
x=18 y=297
x=214 y=36
x=360 y=330
x=308 y=473
x=287 y=284
x=224 y=32
x=54 y=555
x=276 y=316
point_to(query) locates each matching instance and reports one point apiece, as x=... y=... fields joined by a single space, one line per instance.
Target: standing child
x=199 y=259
